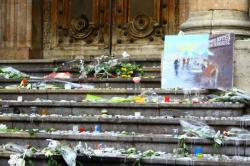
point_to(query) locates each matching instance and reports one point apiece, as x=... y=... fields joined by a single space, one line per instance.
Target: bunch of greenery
x=182 y=149
x=49 y=153
x=104 y=66
x=133 y=151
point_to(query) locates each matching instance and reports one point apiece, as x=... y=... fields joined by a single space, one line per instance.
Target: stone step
x=142 y=142
x=156 y=125
x=42 y=71
x=50 y=63
x=39 y=68
x=79 y=95
x=146 y=109
x=156 y=134
x=110 y=160
x=123 y=160
x=97 y=83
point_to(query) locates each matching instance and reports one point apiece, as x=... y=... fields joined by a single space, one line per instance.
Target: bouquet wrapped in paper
x=18 y=149
x=12 y=73
x=200 y=130
x=238 y=133
x=234 y=95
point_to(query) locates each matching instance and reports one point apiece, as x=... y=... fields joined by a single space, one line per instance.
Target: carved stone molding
x=141 y=26
x=80 y=28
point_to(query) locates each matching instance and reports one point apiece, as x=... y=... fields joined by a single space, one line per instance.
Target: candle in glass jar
x=45 y=112
x=167 y=99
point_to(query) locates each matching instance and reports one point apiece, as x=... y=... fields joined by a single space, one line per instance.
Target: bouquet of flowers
x=12 y=73
x=3 y=128
x=201 y=130
x=128 y=70
x=234 y=95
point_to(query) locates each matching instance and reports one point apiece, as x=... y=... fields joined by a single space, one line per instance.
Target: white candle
x=75 y=128
x=20 y=98
x=137 y=114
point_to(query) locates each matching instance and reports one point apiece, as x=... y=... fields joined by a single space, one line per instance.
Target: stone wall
x=242 y=65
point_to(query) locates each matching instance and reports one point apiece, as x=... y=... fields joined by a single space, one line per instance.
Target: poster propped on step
x=198 y=61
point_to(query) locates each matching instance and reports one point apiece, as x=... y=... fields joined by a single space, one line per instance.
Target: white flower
x=48 y=153
x=16 y=160
x=11 y=162
x=125 y=54
x=20 y=162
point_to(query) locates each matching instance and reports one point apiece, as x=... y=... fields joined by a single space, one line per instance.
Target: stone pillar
x=15 y=29
x=218 y=16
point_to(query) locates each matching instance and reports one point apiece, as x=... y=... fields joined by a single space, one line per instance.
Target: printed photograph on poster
x=198 y=61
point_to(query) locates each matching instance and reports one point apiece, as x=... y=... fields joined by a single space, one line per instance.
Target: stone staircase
x=151 y=69
x=123 y=125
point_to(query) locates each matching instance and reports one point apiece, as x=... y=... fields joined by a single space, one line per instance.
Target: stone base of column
x=218 y=21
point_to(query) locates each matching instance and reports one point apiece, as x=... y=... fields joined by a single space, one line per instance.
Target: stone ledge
x=48 y=70
x=94 y=80
x=115 y=120
x=142 y=142
x=101 y=91
x=122 y=160
x=87 y=59
x=139 y=138
x=127 y=105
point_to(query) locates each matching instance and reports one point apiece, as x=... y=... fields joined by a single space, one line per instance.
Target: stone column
x=15 y=29
x=218 y=16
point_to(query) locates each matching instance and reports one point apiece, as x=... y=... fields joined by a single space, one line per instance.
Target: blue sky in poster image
x=186 y=45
